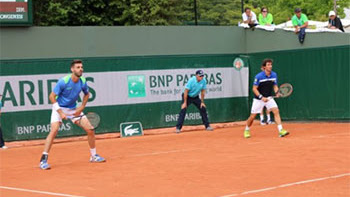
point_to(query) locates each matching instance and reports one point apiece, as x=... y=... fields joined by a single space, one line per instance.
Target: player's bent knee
x=55 y=126
x=90 y=131
x=275 y=110
x=253 y=115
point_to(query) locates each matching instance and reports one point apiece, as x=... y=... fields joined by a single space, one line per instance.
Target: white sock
x=45 y=153
x=247 y=128
x=261 y=117
x=93 y=151
x=279 y=127
x=268 y=117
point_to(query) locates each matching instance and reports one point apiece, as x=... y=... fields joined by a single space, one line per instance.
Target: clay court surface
x=314 y=160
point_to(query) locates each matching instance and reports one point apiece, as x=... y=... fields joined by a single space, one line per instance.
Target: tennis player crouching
x=264 y=83
x=64 y=98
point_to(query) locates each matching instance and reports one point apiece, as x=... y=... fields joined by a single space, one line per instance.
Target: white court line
x=288 y=185
x=258 y=190
x=37 y=191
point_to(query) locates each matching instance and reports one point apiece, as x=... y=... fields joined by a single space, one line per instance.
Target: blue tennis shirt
x=265 y=83
x=68 y=92
x=194 y=87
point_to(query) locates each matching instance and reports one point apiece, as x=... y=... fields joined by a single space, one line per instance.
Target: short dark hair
x=265 y=61
x=75 y=62
x=246 y=9
x=297 y=10
x=262 y=9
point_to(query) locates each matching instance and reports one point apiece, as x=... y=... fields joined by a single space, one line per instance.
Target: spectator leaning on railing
x=249 y=17
x=334 y=21
x=265 y=18
x=300 y=23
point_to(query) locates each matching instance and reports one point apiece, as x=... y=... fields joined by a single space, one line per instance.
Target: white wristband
x=56 y=106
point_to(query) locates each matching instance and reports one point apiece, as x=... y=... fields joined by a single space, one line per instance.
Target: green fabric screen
x=320 y=79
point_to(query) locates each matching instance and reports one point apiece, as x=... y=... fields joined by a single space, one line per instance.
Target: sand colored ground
x=313 y=161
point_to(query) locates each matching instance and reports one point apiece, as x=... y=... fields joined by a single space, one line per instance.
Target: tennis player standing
x=264 y=83
x=64 y=98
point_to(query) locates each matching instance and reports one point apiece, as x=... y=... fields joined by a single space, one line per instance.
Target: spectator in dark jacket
x=334 y=22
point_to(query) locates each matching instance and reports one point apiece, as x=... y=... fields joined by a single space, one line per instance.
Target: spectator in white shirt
x=249 y=17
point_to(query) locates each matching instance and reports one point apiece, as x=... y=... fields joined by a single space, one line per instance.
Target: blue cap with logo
x=200 y=73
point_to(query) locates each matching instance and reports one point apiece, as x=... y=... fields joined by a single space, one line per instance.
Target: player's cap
x=331 y=13
x=200 y=73
x=297 y=10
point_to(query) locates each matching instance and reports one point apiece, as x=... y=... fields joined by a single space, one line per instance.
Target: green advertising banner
x=151 y=95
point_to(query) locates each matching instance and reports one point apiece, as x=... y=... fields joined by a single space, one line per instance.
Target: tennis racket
x=91 y=121
x=284 y=91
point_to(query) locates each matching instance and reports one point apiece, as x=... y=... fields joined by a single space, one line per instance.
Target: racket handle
x=71 y=117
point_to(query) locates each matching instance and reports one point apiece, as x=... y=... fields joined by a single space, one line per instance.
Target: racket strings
x=285 y=90
x=94 y=119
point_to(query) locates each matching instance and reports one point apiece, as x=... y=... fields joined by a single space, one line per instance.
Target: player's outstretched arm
x=275 y=89
x=202 y=98
x=56 y=106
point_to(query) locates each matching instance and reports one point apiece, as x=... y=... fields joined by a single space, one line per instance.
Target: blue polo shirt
x=265 y=83
x=68 y=92
x=194 y=87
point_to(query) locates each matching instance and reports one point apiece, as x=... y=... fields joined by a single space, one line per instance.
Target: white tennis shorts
x=258 y=105
x=55 y=116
